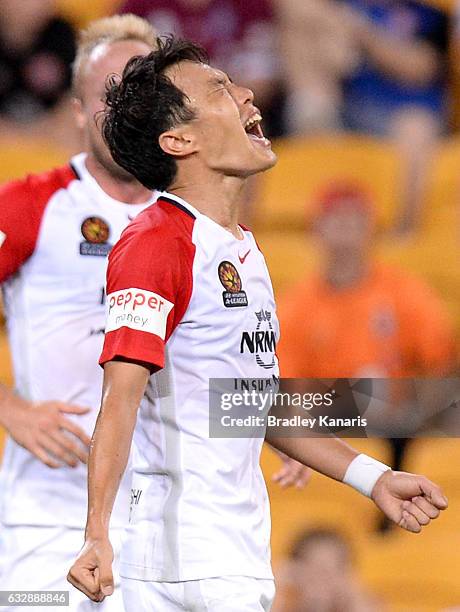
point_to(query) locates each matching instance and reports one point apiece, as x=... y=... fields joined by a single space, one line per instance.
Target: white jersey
x=56 y=231
x=188 y=298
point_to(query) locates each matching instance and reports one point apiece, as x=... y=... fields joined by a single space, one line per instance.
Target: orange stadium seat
x=19 y=158
x=434 y=253
x=81 y=13
x=437 y=457
x=6 y=375
x=307 y=166
x=413 y=573
x=290 y=256
x=442 y=198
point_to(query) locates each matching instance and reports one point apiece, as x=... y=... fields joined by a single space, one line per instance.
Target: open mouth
x=254 y=131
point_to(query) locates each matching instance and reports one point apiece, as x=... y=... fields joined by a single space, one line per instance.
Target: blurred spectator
x=317 y=52
x=359 y=318
x=36 y=51
x=399 y=88
x=371 y=66
x=320 y=577
x=240 y=38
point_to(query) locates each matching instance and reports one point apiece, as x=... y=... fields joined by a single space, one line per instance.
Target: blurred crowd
x=378 y=67
x=386 y=69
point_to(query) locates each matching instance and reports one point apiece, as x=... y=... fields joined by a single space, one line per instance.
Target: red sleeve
x=149 y=284
x=22 y=205
x=19 y=225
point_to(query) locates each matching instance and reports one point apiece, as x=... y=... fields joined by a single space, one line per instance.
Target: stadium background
x=407 y=572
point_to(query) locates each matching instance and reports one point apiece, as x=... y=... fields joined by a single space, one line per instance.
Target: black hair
x=144 y=104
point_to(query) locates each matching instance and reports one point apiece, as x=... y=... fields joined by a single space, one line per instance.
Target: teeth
x=256 y=118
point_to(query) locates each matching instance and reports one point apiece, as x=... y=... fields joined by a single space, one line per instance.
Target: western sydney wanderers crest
x=233 y=296
x=96 y=233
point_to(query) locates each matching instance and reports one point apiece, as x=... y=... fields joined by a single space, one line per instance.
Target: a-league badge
x=96 y=232
x=233 y=296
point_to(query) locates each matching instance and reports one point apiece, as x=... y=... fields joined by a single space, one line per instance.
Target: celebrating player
x=57 y=230
x=199 y=531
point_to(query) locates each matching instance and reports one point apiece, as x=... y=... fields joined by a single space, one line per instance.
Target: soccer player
x=56 y=231
x=199 y=531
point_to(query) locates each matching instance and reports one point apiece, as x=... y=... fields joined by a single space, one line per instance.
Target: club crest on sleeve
x=96 y=233
x=233 y=296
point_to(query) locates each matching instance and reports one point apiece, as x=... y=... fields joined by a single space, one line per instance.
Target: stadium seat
x=416 y=573
x=307 y=166
x=437 y=458
x=443 y=188
x=19 y=158
x=81 y=13
x=290 y=256
x=434 y=253
x=6 y=376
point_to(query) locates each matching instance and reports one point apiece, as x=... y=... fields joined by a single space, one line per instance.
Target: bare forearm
x=107 y=462
x=112 y=441
x=329 y=456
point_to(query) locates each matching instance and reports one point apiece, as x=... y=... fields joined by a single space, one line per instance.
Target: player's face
x=227 y=131
x=346 y=229
x=106 y=59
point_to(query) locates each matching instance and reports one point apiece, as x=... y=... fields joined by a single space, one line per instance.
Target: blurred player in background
x=199 y=533
x=57 y=229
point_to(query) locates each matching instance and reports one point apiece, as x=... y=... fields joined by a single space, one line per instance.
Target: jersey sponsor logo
x=233 y=296
x=138 y=309
x=2 y=237
x=243 y=259
x=96 y=233
x=262 y=341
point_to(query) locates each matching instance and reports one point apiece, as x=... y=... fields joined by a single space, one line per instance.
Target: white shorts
x=225 y=594
x=38 y=559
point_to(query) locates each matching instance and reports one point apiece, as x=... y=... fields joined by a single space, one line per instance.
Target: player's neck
x=217 y=197
x=128 y=191
x=342 y=273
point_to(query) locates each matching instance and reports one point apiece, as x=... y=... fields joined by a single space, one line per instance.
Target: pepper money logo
x=96 y=233
x=233 y=296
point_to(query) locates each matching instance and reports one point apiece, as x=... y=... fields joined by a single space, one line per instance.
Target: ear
x=178 y=142
x=77 y=108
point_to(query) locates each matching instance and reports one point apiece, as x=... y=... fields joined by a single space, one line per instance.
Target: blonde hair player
x=57 y=230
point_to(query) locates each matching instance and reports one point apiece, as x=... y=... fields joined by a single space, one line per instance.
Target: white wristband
x=363 y=472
